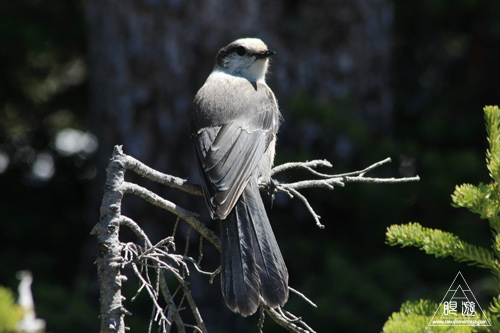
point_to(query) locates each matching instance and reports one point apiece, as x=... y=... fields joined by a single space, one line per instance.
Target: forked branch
x=150 y=263
x=329 y=181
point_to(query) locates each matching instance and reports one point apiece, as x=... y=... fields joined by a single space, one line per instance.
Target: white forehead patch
x=255 y=44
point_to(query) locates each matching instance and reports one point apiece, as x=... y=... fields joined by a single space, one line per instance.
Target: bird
x=234 y=124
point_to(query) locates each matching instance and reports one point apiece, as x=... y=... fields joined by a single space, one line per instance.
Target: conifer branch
x=483 y=200
x=492 y=117
x=440 y=244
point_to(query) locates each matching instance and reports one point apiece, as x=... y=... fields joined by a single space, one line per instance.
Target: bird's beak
x=264 y=54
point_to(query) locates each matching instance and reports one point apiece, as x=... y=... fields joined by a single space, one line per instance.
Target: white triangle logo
x=459 y=307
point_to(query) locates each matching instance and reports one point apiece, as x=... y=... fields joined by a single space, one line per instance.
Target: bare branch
x=338 y=180
x=295 y=325
x=156 y=200
x=189 y=297
x=303 y=297
x=197 y=266
x=173 y=311
x=315 y=183
x=296 y=193
x=329 y=181
x=161 y=257
x=131 y=224
x=303 y=165
x=366 y=170
x=361 y=179
x=152 y=294
x=186 y=215
x=161 y=178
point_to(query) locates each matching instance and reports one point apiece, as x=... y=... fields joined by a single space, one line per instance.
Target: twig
x=361 y=179
x=302 y=296
x=281 y=320
x=262 y=317
x=315 y=216
x=303 y=165
x=172 y=308
x=197 y=266
x=366 y=170
x=152 y=294
x=191 y=302
x=329 y=181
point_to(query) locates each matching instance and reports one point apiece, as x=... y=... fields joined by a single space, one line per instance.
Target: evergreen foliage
x=483 y=200
x=415 y=316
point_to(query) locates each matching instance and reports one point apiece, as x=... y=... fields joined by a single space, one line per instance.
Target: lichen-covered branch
x=109 y=249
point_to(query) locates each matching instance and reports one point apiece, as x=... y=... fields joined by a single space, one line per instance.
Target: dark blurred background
x=357 y=81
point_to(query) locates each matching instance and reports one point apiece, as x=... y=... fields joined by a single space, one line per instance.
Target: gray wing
x=228 y=154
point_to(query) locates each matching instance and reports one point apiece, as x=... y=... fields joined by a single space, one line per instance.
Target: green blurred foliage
x=415 y=316
x=10 y=312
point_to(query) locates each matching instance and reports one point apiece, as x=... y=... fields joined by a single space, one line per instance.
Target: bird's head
x=246 y=57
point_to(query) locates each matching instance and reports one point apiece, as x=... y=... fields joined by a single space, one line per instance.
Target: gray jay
x=234 y=125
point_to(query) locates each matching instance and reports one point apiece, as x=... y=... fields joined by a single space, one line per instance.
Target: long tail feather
x=271 y=266
x=240 y=280
x=252 y=263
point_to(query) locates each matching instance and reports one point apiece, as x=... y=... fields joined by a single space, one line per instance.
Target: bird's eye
x=241 y=51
